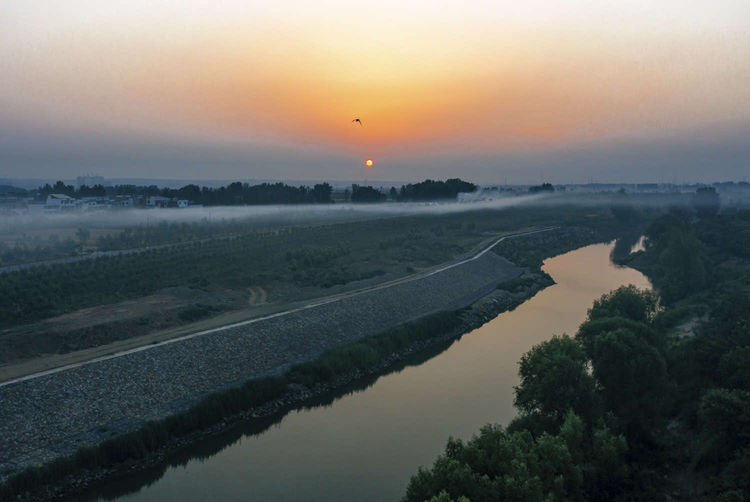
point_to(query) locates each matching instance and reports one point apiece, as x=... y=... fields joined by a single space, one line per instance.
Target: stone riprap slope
x=52 y=415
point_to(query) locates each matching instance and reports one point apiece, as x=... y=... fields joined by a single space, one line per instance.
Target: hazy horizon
x=491 y=92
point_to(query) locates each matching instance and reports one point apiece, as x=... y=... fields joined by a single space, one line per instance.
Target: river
x=364 y=443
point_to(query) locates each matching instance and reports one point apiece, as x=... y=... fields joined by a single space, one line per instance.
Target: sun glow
x=369 y=162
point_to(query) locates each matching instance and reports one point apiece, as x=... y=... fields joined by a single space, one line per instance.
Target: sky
x=492 y=92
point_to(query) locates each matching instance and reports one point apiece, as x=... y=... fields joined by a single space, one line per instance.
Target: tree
x=62 y=188
x=724 y=417
x=554 y=380
x=632 y=376
x=321 y=193
x=706 y=202
x=190 y=192
x=444 y=497
x=679 y=259
x=572 y=465
x=544 y=187
x=434 y=190
x=626 y=301
x=683 y=265
x=591 y=330
x=366 y=194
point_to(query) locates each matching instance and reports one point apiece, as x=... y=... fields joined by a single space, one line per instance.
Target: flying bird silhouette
x=358 y=121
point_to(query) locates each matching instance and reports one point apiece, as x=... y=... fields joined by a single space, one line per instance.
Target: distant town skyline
x=491 y=92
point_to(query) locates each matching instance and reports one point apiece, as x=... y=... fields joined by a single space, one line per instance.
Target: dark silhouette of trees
x=233 y=194
x=366 y=194
x=576 y=463
x=266 y=193
x=628 y=302
x=435 y=190
x=681 y=265
x=94 y=191
x=238 y=193
x=543 y=188
x=706 y=202
x=555 y=379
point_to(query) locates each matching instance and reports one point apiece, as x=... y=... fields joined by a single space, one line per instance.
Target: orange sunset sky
x=565 y=91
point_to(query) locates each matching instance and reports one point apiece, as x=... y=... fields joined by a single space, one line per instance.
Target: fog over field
x=263 y=214
x=284 y=214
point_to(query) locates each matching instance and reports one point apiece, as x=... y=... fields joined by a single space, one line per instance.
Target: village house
x=59 y=201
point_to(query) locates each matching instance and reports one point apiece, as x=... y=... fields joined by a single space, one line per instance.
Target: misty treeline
x=238 y=193
x=631 y=407
x=60 y=242
x=427 y=190
x=217 y=407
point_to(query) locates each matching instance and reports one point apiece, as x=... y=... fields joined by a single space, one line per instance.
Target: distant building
x=90 y=203
x=123 y=201
x=183 y=203
x=158 y=201
x=59 y=201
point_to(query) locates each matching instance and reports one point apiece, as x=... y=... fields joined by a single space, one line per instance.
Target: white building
x=183 y=203
x=123 y=201
x=90 y=203
x=59 y=201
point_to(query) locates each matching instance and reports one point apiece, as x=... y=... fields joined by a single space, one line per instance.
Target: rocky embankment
x=54 y=415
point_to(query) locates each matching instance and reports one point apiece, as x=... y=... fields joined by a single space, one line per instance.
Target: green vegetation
x=216 y=408
x=630 y=408
x=289 y=263
x=318 y=257
x=589 y=409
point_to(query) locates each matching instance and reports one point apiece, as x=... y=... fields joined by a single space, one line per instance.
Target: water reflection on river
x=366 y=444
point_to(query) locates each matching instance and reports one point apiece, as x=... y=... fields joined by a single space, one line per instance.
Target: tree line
x=238 y=193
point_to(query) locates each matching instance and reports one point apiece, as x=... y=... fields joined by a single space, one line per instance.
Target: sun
x=369 y=162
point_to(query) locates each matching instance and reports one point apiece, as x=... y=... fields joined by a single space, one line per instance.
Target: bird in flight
x=357 y=121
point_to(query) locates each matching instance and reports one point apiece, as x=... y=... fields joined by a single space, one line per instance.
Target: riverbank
x=66 y=477
x=50 y=415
